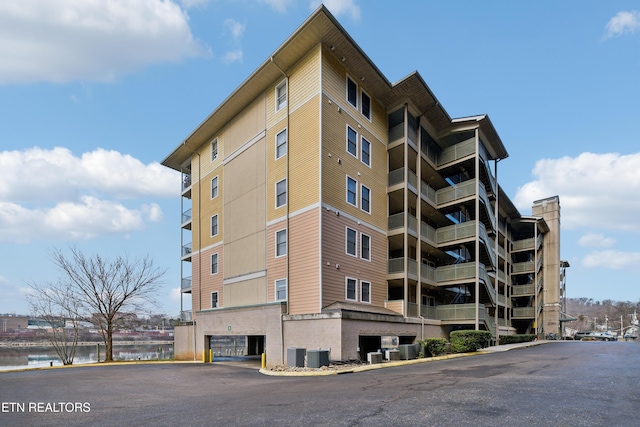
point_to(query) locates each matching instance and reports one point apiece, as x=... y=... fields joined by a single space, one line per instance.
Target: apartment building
x=326 y=207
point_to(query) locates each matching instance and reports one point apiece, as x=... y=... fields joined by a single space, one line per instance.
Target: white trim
x=361 y=288
x=347 y=191
x=361 y=194
x=286 y=243
x=294 y=214
x=286 y=98
x=370 y=240
x=353 y=218
x=285 y=193
x=362 y=91
x=346 y=288
x=346 y=95
x=208 y=247
x=286 y=143
x=217 y=187
x=217 y=299
x=346 y=242
x=275 y=289
x=217 y=263
x=244 y=147
x=211 y=225
x=347 y=141
x=362 y=145
x=244 y=277
x=213 y=159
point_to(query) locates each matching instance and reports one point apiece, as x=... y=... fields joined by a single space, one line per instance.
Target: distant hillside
x=608 y=312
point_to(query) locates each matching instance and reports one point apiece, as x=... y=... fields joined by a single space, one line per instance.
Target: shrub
x=434 y=346
x=513 y=339
x=469 y=341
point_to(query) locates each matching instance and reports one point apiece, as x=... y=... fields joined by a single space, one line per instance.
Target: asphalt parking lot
x=532 y=386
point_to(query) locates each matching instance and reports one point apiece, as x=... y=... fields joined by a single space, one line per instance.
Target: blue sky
x=93 y=95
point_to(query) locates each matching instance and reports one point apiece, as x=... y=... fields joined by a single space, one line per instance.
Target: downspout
x=287 y=209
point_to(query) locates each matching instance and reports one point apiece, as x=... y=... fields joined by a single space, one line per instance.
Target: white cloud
x=279 y=5
x=64 y=40
x=190 y=4
x=235 y=28
x=175 y=294
x=596 y=241
x=37 y=174
x=623 y=22
x=597 y=191
x=614 y=260
x=86 y=219
x=339 y=7
x=232 y=56
x=52 y=194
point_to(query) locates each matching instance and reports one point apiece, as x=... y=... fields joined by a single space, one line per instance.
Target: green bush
x=513 y=339
x=434 y=346
x=469 y=341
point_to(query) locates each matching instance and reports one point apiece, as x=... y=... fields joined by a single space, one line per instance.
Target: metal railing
x=456 y=152
x=523 y=267
x=186 y=316
x=187 y=249
x=527 y=312
x=186 y=216
x=185 y=283
x=523 y=245
x=523 y=290
x=456 y=192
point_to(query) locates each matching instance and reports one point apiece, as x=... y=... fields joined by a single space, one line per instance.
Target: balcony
x=186 y=251
x=523 y=290
x=186 y=219
x=523 y=313
x=457 y=152
x=523 y=267
x=456 y=192
x=397 y=221
x=427 y=232
x=523 y=245
x=427 y=273
x=186 y=316
x=185 y=284
x=396 y=266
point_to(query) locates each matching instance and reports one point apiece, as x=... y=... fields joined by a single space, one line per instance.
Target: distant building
x=11 y=323
x=326 y=207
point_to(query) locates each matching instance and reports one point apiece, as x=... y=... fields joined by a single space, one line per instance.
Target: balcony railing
x=186 y=181
x=456 y=152
x=524 y=244
x=186 y=282
x=456 y=192
x=396 y=265
x=186 y=316
x=523 y=267
x=427 y=272
x=395 y=177
x=186 y=216
x=523 y=290
x=526 y=312
x=187 y=249
x=428 y=192
x=427 y=232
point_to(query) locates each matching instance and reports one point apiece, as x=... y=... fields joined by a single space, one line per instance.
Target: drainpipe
x=497 y=217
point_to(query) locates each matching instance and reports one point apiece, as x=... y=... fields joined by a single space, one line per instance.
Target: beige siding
x=244 y=208
x=246 y=292
x=304 y=263
x=338 y=163
x=334 y=255
x=304 y=161
x=245 y=126
x=208 y=165
x=334 y=85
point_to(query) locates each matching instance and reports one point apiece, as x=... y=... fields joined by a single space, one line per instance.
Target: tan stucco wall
x=183 y=342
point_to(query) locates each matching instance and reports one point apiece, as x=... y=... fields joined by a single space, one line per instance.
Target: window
x=365 y=291
x=351 y=241
x=351 y=286
x=281 y=95
x=281 y=243
x=352 y=191
x=365 y=152
x=214 y=225
x=214 y=299
x=352 y=92
x=281 y=144
x=214 y=263
x=352 y=141
x=281 y=289
x=365 y=202
x=214 y=187
x=366 y=105
x=365 y=247
x=214 y=149
x=281 y=193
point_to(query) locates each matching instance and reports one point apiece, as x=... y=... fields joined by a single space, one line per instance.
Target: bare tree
x=105 y=290
x=57 y=310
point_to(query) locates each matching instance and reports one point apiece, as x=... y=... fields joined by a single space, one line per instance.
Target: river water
x=12 y=358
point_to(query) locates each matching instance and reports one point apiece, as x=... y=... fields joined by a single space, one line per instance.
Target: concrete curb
x=394 y=364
